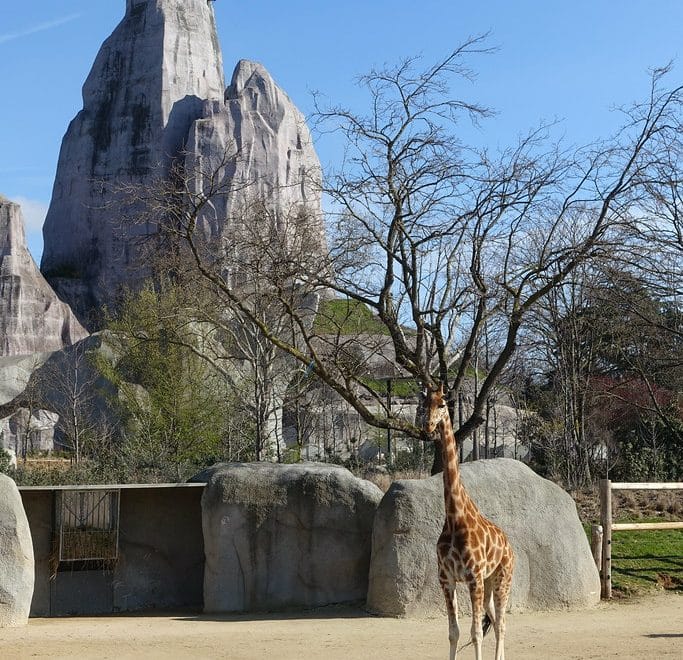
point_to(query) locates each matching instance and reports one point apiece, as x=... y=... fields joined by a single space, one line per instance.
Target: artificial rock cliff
x=148 y=83
x=156 y=94
x=264 y=147
x=32 y=318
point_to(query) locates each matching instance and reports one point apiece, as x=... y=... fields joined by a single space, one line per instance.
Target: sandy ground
x=645 y=629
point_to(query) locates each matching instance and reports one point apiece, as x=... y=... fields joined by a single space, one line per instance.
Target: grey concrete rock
x=32 y=318
x=36 y=427
x=281 y=536
x=75 y=369
x=276 y=164
x=45 y=382
x=17 y=573
x=554 y=569
x=16 y=372
x=148 y=83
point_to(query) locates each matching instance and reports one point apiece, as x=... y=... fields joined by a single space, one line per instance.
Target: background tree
x=566 y=342
x=637 y=380
x=178 y=412
x=455 y=247
x=255 y=249
x=70 y=383
x=448 y=246
x=24 y=411
x=609 y=402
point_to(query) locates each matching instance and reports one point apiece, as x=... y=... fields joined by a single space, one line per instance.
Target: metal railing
x=87 y=525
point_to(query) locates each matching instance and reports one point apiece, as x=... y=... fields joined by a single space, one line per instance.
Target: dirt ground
x=648 y=628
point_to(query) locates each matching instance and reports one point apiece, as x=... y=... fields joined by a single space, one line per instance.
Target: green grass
x=347 y=317
x=400 y=387
x=647 y=560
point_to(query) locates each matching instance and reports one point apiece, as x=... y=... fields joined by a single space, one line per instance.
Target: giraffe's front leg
x=476 y=587
x=452 y=609
x=501 y=593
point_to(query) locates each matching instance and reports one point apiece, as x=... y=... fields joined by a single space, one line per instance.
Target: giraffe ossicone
x=471 y=549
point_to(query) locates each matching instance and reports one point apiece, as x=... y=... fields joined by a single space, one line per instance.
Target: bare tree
x=455 y=246
x=609 y=374
x=69 y=386
x=444 y=244
x=245 y=237
x=21 y=415
x=566 y=346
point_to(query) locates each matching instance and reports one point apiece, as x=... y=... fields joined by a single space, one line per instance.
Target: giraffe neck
x=453 y=490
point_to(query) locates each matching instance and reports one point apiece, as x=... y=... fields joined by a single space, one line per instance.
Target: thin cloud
x=34 y=213
x=40 y=27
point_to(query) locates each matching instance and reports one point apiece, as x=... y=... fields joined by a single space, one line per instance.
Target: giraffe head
x=435 y=408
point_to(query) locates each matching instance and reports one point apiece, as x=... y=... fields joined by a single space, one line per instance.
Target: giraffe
x=471 y=549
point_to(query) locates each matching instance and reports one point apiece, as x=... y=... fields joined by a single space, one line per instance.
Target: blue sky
x=573 y=61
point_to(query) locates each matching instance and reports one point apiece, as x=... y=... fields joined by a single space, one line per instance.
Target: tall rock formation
x=266 y=156
x=149 y=82
x=32 y=318
x=154 y=95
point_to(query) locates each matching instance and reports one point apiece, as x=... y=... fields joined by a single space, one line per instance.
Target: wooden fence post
x=606 y=488
x=606 y=521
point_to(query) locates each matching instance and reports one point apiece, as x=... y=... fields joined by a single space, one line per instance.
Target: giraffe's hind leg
x=489 y=606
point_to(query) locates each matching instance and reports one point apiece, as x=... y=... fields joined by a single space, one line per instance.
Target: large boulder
x=16 y=372
x=16 y=557
x=281 y=536
x=554 y=569
x=32 y=318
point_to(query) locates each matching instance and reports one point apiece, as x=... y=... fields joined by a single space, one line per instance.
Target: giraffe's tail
x=486 y=624
x=485 y=627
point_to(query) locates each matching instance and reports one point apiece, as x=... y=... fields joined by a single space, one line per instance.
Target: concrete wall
x=160 y=563
x=39 y=509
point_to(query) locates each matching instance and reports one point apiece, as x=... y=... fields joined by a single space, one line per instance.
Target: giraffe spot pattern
x=471 y=548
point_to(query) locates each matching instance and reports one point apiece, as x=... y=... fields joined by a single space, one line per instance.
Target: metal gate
x=87 y=525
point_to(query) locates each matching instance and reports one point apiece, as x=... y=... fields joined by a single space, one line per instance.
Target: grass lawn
x=647 y=560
